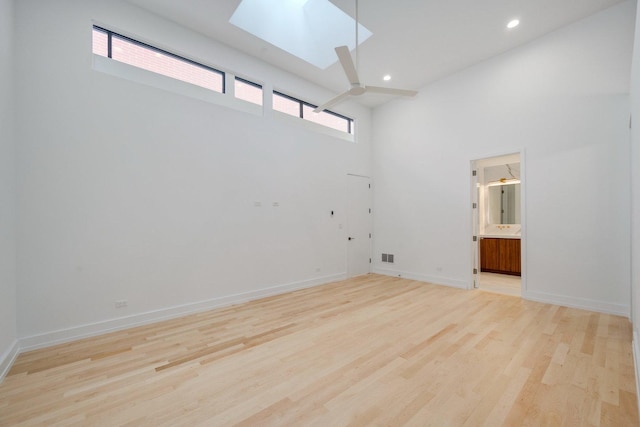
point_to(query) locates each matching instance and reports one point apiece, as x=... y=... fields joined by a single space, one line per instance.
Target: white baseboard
x=71 y=334
x=582 y=303
x=445 y=281
x=7 y=359
x=636 y=357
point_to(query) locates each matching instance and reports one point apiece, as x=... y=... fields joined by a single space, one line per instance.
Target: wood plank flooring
x=373 y=350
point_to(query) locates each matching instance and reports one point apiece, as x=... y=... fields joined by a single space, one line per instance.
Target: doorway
x=359 y=225
x=498 y=222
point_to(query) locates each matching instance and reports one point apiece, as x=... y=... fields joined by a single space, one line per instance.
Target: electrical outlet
x=121 y=303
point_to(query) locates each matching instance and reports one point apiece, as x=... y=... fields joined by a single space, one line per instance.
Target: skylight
x=308 y=29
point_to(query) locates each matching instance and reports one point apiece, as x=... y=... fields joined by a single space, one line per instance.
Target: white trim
x=524 y=290
x=474 y=283
x=636 y=355
x=581 y=303
x=436 y=280
x=7 y=359
x=92 y=329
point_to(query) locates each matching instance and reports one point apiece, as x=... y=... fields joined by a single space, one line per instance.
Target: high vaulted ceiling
x=415 y=41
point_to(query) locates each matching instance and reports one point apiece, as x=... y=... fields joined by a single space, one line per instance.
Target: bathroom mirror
x=504 y=204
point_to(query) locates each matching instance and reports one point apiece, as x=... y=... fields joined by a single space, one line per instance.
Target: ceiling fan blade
x=347 y=64
x=331 y=102
x=391 y=91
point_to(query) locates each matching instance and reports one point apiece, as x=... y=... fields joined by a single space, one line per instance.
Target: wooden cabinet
x=500 y=256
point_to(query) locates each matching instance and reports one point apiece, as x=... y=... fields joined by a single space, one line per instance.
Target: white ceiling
x=415 y=41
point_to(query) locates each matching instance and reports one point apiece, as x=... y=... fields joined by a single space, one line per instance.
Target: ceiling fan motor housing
x=357 y=89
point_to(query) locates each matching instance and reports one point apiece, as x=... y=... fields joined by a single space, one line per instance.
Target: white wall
x=563 y=101
x=635 y=194
x=8 y=346
x=130 y=192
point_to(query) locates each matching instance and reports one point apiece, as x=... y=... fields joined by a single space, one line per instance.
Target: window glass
x=100 y=43
x=142 y=57
x=326 y=119
x=304 y=110
x=286 y=105
x=248 y=91
x=158 y=61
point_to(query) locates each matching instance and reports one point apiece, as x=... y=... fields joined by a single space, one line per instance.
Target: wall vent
x=387 y=258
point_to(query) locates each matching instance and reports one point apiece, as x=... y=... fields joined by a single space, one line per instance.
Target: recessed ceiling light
x=513 y=23
x=386 y=78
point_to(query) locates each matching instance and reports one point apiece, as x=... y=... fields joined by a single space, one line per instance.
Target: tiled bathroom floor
x=501 y=284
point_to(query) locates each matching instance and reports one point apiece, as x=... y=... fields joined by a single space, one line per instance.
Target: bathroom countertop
x=499 y=236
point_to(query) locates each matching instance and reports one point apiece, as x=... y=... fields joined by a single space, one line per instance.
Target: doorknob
x=352 y=238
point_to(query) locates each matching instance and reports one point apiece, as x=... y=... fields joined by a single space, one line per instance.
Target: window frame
x=110 y=34
x=302 y=103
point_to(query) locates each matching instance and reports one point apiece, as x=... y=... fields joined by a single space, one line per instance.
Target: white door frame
x=475 y=228
x=349 y=227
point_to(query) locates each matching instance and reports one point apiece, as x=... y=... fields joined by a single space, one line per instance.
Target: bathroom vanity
x=500 y=255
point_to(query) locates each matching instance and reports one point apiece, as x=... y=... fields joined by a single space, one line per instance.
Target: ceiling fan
x=351 y=71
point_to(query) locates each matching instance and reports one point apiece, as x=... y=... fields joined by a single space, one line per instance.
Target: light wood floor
x=370 y=351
